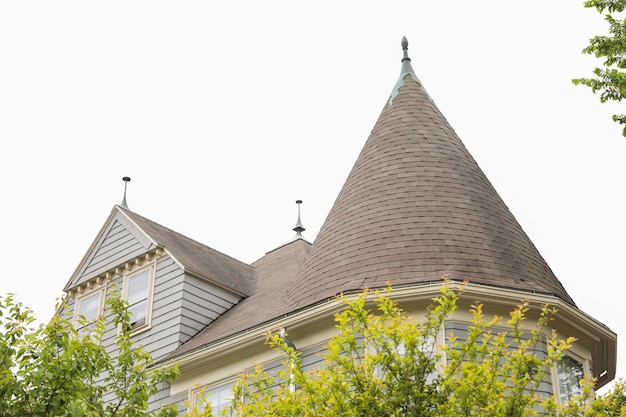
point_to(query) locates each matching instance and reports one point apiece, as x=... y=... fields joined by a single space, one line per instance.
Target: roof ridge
x=132 y=213
x=199 y=259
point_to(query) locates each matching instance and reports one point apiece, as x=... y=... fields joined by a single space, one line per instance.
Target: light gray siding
x=182 y=304
x=460 y=331
x=313 y=357
x=163 y=398
x=119 y=242
x=202 y=303
x=163 y=336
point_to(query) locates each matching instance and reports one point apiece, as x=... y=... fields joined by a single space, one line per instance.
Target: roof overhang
x=569 y=321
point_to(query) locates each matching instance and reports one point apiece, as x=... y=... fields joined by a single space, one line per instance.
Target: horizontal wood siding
x=117 y=246
x=180 y=400
x=272 y=369
x=460 y=331
x=162 y=399
x=182 y=305
x=202 y=302
x=313 y=357
x=67 y=312
x=163 y=336
x=111 y=332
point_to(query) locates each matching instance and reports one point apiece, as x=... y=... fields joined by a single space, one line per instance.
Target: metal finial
x=126 y=181
x=405 y=48
x=299 y=228
x=407 y=69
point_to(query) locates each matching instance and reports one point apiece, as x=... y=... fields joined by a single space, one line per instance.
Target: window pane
x=137 y=297
x=218 y=397
x=90 y=307
x=138 y=314
x=138 y=287
x=569 y=373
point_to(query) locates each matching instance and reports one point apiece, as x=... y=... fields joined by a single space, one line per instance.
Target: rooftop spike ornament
x=407 y=69
x=298 y=228
x=405 y=48
x=124 y=205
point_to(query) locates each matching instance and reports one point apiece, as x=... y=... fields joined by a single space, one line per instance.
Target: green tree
x=610 y=80
x=384 y=362
x=613 y=403
x=53 y=369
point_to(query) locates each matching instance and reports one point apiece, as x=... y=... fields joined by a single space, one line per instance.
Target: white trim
x=79 y=300
x=196 y=395
x=585 y=362
x=569 y=320
x=150 y=296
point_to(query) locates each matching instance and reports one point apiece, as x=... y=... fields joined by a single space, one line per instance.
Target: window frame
x=77 y=305
x=200 y=396
x=149 y=297
x=437 y=342
x=83 y=298
x=585 y=365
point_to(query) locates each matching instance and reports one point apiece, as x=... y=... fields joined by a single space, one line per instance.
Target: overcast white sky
x=224 y=113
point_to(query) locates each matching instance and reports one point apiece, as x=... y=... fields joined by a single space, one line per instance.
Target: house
x=414 y=207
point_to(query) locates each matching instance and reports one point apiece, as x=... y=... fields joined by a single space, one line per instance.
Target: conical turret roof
x=414 y=207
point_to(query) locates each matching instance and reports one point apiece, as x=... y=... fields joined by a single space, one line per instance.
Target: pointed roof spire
x=298 y=228
x=405 y=48
x=123 y=204
x=407 y=69
x=414 y=207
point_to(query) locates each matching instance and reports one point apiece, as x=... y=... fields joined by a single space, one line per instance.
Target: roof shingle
x=416 y=206
x=199 y=259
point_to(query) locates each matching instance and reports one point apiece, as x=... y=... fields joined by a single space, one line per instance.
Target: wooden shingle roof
x=198 y=259
x=273 y=273
x=414 y=207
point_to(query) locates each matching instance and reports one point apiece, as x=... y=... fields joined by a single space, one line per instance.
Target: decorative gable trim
x=119 y=240
x=117 y=271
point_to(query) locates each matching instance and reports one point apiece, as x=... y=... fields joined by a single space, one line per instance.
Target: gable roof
x=414 y=207
x=198 y=259
x=141 y=235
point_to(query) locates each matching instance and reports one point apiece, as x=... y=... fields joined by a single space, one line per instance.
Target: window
x=87 y=310
x=89 y=307
x=218 y=398
x=425 y=352
x=138 y=294
x=569 y=372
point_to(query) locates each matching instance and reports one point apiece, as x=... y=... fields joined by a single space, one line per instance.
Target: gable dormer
x=119 y=241
x=174 y=285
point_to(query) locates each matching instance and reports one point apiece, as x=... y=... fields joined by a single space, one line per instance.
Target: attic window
x=87 y=310
x=139 y=296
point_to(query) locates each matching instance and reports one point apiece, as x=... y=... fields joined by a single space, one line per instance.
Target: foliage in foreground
x=610 y=80
x=385 y=363
x=381 y=363
x=54 y=369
